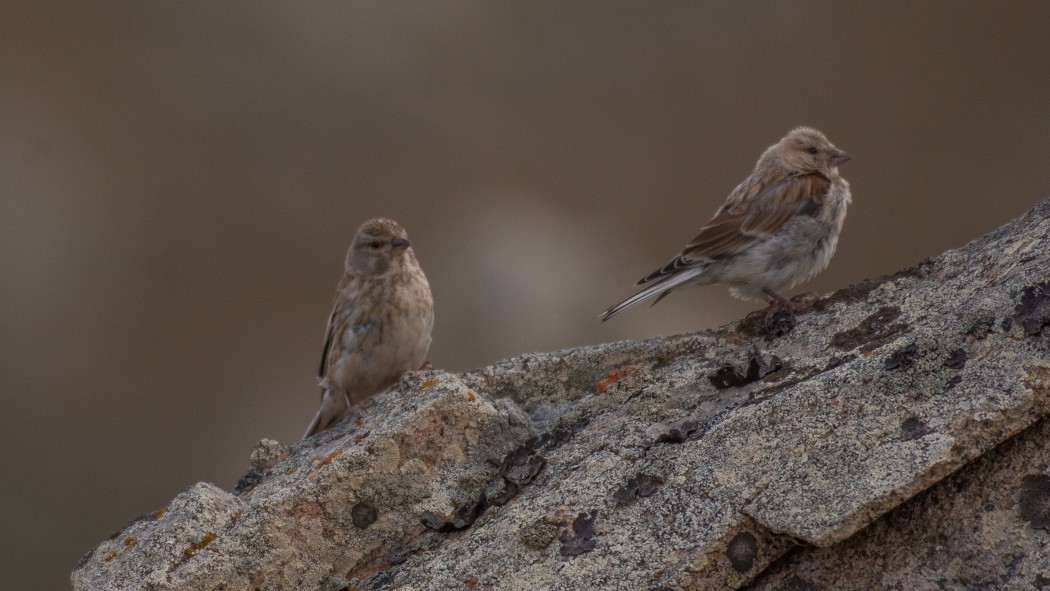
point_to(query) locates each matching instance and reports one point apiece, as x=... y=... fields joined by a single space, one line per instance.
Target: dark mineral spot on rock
x=1041 y=582
x=957 y=360
x=363 y=514
x=837 y=361
x=1034 y=506
x=678 y=433
x=516 y=477
x=1033 y=311
x=742 y=551
x=434 y=521
x=582 y=539
x=981 y=328
x=876 y=326
x=519 y=468
x=251 y=478
x=524 y=472
x=731 y=376
x=642 y=485
x=380 y=580
x=913 y=428
x=464 y=517
x=522 y=465
x=955 y=381
x=758 y=368
x=797 y=583
x=778 y=324
x=768 y=323
x=727 y=376
x=852 y=293
x=903 y=358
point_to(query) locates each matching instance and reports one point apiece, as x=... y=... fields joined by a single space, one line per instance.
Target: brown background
x=179 y=182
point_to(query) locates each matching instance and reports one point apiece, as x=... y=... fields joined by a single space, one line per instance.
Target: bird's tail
x=662 y=286
x=334 y=406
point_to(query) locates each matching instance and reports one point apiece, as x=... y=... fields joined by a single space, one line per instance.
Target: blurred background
x=179 y=182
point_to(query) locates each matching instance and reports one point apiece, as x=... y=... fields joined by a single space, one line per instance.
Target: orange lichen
x=109 y=556
x=470 y=396
x=607 y=382
x=427 y=384
x=328 y=459
x=234 y=517
x=198 y=545
x=130 y=541
x=161 y=512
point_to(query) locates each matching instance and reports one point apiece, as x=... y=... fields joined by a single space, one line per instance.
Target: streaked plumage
x=380 y=323
x=776 y=229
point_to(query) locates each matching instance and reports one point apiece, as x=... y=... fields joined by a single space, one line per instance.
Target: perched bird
x=380 y=324
x=776 y=229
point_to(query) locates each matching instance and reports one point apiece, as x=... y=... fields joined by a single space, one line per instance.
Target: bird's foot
x=798 y=304
x=778 y=318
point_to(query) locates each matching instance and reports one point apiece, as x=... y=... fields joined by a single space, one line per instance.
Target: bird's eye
x=811 y=150
x=375 y=244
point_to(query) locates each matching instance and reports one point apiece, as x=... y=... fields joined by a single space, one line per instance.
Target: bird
x=380 y=325
x=778 y=228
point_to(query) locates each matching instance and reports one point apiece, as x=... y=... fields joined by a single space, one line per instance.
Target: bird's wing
x=754 y=212
x=330 y=331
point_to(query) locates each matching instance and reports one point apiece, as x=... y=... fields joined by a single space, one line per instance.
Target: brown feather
x=741 y=222
x=760 y=218
x=322 y=370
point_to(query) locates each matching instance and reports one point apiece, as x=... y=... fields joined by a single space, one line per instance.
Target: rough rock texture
x=860 y=445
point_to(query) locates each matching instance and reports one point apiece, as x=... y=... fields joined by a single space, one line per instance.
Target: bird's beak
x=839 y=156
x=399 y=242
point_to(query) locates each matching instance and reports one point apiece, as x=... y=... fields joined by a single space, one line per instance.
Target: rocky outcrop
x=893 y=437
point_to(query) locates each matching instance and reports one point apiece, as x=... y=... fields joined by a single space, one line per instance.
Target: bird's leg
x=795 y=307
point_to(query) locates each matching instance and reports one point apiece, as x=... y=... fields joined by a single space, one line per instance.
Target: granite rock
x=860 y=441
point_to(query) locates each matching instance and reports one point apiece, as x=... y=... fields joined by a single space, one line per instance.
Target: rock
x=869 y=437
x=268 y=453
x=341 y=503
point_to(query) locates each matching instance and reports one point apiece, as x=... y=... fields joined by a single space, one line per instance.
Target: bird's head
x=379 y=246
x=807 y=150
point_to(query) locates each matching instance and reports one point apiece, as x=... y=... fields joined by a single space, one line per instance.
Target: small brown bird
x=380 y=324
x=777 y=229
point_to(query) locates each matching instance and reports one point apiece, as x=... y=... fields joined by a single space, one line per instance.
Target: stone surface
x=970 y=531
x=347 y=499
x=695 y=461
